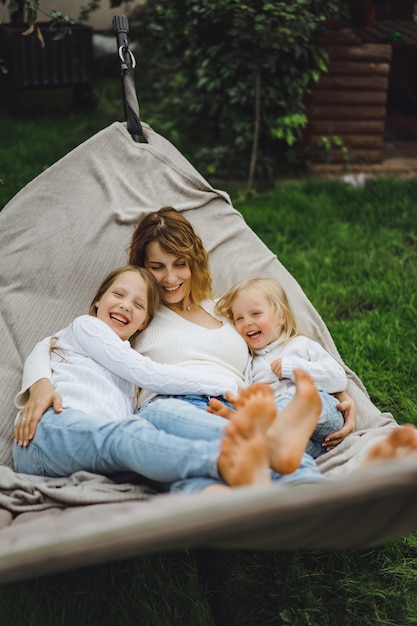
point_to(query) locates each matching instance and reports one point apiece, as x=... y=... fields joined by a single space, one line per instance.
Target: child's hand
x=276 y=367
x=42 y=396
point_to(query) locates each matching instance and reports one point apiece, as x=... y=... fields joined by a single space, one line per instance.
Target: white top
x=299 y=353
x=95 y=371
x=172 y=339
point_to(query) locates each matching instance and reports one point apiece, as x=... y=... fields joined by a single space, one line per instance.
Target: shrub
x=239 y=71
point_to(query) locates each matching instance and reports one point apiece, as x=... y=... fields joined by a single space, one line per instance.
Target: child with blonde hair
x=261 y=314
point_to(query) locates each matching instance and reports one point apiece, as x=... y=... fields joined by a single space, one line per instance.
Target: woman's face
x=172 y=273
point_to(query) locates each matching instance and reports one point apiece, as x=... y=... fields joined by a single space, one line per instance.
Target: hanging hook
x=128 y=63
x=124 y=50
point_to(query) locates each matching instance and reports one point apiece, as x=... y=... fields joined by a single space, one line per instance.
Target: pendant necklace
x=181 y=307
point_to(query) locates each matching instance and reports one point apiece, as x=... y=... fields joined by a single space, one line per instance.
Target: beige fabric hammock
x=59 y=236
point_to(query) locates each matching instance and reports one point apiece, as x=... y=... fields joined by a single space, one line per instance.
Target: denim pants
x=170 y=440
x=330 y=420
x=192 y=423
x=72 y=440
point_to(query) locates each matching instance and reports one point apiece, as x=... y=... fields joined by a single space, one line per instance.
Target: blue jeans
x=170 y=441
x=72 y=441
x=177 y=414
x=330 y=420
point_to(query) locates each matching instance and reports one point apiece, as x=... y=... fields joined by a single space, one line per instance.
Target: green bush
x=242 y=69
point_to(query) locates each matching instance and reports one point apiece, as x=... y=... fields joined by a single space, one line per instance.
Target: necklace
x=181 y=307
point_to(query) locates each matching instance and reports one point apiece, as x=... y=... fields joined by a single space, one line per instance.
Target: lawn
x=354 y=252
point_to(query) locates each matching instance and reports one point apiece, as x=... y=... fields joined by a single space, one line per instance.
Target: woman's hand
x=42 y=396
x=348 y=408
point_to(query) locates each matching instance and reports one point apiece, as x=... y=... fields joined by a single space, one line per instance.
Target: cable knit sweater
x=299 y=353
x=214 y=359
x=172 y=339
x=95 y=371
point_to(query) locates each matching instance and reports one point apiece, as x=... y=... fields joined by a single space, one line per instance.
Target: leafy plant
x=26 y=12
x=245 y=69
x=302 y=157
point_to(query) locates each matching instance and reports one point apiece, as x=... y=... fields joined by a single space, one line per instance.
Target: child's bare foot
x=255 y=405
x=398 y=443
x=290 y=432
x=244 y=456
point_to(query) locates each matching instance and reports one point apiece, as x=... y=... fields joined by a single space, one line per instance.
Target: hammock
x=58 y=237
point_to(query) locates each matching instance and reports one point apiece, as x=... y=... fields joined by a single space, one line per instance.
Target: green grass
x=161 y=590
x=354 y=251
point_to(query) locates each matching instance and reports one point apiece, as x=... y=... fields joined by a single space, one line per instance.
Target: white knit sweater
x=299 y=353
x=208 y=362
x=172 y=339
x=95 y=371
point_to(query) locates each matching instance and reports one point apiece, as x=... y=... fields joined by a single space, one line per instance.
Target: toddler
x=260 y=312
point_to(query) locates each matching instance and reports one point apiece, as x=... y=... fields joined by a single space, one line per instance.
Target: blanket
x=20 y=492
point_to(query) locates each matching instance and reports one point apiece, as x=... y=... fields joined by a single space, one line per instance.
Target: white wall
x=99 y=20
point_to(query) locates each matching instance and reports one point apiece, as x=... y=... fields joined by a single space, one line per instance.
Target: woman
x=186 y=331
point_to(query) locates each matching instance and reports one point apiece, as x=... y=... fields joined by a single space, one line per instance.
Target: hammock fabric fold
x=59 y=236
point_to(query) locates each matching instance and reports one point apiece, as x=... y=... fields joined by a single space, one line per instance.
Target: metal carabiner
x=122 y=51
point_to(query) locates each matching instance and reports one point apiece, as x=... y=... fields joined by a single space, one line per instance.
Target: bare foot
x=290 y=432
x=244 y=454
x=244 y=459
x=255 y=405
x=398 y=443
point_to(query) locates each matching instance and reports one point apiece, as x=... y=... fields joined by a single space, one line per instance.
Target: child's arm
x=37 y=366
x=326 y=372
x=100 y=343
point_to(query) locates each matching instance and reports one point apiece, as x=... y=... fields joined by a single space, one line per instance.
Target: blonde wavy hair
x=175 y=235
x=273 y=293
